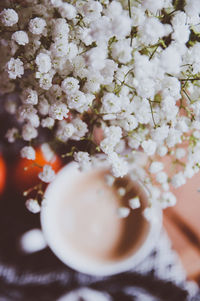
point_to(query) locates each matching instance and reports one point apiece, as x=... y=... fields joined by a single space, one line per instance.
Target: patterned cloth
x=160 y=277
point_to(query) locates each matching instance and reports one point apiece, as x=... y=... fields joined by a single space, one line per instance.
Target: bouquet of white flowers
x=122 y=75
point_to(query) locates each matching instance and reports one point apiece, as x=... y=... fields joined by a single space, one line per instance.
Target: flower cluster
x=123 y=75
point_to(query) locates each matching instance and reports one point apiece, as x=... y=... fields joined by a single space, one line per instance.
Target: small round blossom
x=161 y=177
x=48 y=122
x=32 y=241
x=37 y=26
x=43 y=61
x=149 y=147
x=29 y=132
x=180 y=153
x=67 y=11
x=29 y=96
x=123 y=212
x=58 y=111
x=178 y=180
x=9 y=17
x=83 y=159
x=156 y=167
x=15 y=68
x=168 y=199
x=65 y=131
x=28 y=152
x=134 y=203
x=119 y=165
x=33 y=206
x=47 y=175
x=10 y=106
x=70 y=85
x=43 y=107
x=12 y=134
x=20 y=37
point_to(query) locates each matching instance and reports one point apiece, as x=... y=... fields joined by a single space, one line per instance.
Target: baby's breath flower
x=47 y=175
x=134 y=203
x=12 y=134
x=37 y=26
x=84 y=160
x=123 y=212
x=28 y=152
x=20 y=37
x=33 y=206
x=15 y=68
x=43 y=61
x=9 y=17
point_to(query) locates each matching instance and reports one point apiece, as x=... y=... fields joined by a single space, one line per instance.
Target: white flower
x=43 y=106
x=67 y=11
x=65 y=131
x=129 y=123
x=149 y=147
x=28 y=152
x=192 y=8
x=168 y=199
x=29 y=132
x=121 y=191
x=9 y=17
x=12 y=134
x=153 y=6
x=70 y=85
x=33 y=206
x=29 y=96
x=113 y=135
x=47 y=175
x=48 y=153
x=60 y=30
x=173 y=138
x=84 y=160
x=121 y=51
x=10 y=106
x=48 y=122
x=45 y=80
x=80 y=101
x=91 y=10
x=111 y=103
x=37 y=25
x=119 y=165
x=152 y=30
x=109 y=180
x=43 y=61
x=123 y=212
x=160 y=133
x=155 y=167
x=15 y=68
x=161 y=177
x=56 y=3
x=162 y=150
x=178 y=180
x=80 y=128
x=134 y=203
x=170 y=60
x=20 y=37
x=58 y=111
x=180 y=153
x=149 y=213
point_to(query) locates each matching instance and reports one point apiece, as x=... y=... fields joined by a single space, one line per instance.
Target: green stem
x=155 y=125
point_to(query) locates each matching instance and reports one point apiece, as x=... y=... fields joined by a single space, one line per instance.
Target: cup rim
x=68 y=255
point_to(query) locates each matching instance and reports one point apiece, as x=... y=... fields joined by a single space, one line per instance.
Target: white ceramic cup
x=66 y=177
